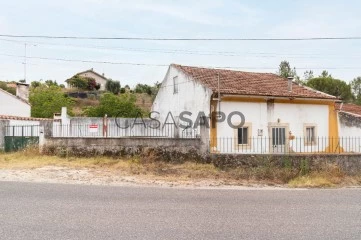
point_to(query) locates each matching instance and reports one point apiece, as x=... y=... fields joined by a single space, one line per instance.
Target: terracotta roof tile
x=249 y=83
x=8 y=117
x=349 y=108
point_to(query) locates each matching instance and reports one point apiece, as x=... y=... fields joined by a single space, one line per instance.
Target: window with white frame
x=310 y=133
x=175 y=84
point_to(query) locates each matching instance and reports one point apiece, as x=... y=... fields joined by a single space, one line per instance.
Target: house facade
x=99 y=78
x=251 y=112
x=11 y=105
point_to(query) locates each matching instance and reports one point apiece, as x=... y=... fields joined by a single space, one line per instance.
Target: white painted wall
x=295 y=115
x=191 y=96
x=350 y=135
x=13 y=106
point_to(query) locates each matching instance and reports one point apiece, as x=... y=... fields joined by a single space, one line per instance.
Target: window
x=310 y=133
x=175 y=84
x=243 y=135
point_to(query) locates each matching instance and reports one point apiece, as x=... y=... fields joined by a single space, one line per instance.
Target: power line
x=166 y=65
x=88 y=61
x=191 y=52
x=181 y=39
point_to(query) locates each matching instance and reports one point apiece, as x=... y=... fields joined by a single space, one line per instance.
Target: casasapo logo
x=234 y=119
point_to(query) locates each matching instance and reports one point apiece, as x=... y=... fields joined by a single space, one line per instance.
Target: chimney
x=22 y=91
x=103 y=74
x=290 y=80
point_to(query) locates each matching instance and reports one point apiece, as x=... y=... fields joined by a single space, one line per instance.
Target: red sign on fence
x=93 y=128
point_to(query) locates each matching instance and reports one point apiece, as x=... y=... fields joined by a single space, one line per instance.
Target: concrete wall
x=13 y=106
x=163 y=147
x=125 y=145
x=3 y=124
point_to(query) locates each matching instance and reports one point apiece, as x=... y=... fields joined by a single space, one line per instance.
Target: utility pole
x=25 y=63
x=25 y=58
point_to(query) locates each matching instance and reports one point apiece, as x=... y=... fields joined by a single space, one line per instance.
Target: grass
x=330 y=176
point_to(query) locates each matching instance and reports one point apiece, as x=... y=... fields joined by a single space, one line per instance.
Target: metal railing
x=267 y=145
x=22 y=130
x=114 y=130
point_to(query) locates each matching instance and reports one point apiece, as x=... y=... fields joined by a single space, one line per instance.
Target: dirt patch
x=64 y=175
x=30 y=166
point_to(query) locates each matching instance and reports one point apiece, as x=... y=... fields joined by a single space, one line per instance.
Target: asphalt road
x=59 y=211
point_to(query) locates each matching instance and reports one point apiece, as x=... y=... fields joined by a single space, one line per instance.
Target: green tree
x=115 y=106
x=356 y=89
x=50 y=83
x=285 y=70
x=307 y=75
x=143 y=88
x=78 y=82
x=325 y=74
x=35 y=84
x=150 y=90
x=325 y=83
x=84 y=83
x=112 y=86
x=45 y=101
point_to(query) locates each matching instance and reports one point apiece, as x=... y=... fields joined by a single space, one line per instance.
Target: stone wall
x=172 y=150
x=349 y=163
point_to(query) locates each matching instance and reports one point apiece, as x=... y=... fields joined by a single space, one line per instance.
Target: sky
x=177 y=19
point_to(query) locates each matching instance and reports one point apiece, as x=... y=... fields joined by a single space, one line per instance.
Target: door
x=278 y=140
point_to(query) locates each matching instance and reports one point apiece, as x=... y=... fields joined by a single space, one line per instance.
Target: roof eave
x=280 y=97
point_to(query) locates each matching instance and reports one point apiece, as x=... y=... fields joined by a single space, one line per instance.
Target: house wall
x=13 y=106
x=350 y=132
x=259 y=116
x=191 y=96
x=97 y=78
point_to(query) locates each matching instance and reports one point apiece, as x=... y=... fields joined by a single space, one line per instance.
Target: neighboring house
x=349 y=120
x=11 y=105
x=99 y=78
x=280 y=115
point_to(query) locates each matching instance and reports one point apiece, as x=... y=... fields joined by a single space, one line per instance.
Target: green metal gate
x=20 y=137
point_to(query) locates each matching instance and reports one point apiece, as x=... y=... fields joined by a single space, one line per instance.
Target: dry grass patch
x=329 y=176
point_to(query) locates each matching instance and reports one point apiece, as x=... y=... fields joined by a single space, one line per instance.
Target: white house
x=279 y=115
x=11 y=105
x=349 y=120
x=99 y=78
